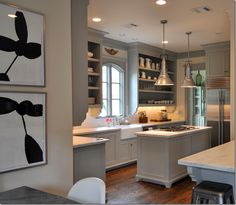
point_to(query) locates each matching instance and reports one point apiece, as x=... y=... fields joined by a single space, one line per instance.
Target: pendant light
x=163 y=79
x=188 y=80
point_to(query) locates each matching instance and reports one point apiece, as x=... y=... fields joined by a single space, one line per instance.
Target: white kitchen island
x=159 y=151
x=215 y=164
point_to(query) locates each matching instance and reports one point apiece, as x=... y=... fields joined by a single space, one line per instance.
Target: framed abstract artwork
x=23 y=130
x=21 y=47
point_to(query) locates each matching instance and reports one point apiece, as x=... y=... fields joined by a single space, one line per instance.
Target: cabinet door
x=124 y=151
x=110 y=148
x=133 y=145
x=216 y=63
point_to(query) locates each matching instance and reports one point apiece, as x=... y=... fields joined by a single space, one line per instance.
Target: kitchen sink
x=128 y=131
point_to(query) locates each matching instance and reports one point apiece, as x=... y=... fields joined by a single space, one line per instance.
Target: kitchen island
x=159 y=151
x=89 y=157
x=215 y=164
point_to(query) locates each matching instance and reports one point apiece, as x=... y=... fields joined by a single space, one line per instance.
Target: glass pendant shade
x=163 y=79
x=188 y=80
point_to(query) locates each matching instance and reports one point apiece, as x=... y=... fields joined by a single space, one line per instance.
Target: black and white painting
x=21 y=47
x=23 y=130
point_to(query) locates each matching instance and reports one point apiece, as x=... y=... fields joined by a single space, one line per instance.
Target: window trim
x=109 y=88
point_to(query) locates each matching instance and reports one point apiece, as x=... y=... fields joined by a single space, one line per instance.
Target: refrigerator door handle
x=222 y=115
x=219 y=120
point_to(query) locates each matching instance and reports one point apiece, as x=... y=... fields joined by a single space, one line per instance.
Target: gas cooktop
x=178 y=128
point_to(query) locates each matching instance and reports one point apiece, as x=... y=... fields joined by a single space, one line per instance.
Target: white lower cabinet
x=133 y=149
x=111 y=147
x=127 y=150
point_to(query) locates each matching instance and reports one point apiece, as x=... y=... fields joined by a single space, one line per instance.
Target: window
x=112 y=90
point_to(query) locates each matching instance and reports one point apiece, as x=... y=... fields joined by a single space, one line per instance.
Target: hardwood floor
x=123 y=188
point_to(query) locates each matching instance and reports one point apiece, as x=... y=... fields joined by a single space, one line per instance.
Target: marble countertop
x=91 y=130
x=218 y=158
x=168 y=134
x=87 y=141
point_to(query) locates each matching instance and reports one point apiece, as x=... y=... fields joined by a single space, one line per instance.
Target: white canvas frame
x=12 y=135
x=24 y=71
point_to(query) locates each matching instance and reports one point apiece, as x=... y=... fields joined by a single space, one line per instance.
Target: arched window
x=112 y=90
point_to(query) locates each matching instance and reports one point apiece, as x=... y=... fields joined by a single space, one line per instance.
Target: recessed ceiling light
x=96 y=19
x=161 y=2
x=165 y=42
x=12 y=15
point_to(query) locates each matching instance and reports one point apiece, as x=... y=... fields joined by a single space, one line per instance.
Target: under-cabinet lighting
x=12 y=15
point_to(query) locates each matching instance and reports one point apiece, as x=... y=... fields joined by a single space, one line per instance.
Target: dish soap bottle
x=198 y=79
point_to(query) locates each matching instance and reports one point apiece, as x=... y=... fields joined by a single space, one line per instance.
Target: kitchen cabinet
x=128 y=150
x=218 y=59
x=115 y=154
x=141 y=78
x=117 y=151
x=94 y=75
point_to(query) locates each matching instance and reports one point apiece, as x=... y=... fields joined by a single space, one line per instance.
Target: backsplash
x=92 y=119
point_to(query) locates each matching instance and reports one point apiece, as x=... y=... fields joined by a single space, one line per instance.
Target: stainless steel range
x=178 y=128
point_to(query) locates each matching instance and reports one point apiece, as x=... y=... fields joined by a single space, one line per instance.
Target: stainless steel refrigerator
x=218 y=110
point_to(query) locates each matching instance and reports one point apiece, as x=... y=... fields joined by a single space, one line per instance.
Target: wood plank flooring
x=123 y=188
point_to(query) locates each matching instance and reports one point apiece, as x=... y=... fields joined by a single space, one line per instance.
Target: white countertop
x=168 y=134
x=81 y=131
x=218 y=158
x=87 y=141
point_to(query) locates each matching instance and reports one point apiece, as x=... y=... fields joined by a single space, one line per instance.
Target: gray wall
x=192 y=54
x=57 y=175
x=79 y=60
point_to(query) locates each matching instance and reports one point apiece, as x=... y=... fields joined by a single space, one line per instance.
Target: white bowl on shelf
x=90 y=54
x=91 y=100
x=90 y=70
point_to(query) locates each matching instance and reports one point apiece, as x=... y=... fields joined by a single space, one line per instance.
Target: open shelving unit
x=94 y=78
x=150 y=94
x=142 y=78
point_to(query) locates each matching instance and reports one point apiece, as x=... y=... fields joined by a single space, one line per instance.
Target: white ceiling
x=147 y=15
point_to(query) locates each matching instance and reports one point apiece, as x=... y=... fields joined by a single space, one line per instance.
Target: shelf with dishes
x=94 y=74
x=150 y=94
x=93 y=60
x=155 y=104
x=155 y=91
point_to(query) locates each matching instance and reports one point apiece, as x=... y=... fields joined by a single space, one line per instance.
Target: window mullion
x=110 y=90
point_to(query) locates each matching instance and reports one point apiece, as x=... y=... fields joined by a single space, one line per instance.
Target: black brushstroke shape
x=21 y=47
x=33 y=151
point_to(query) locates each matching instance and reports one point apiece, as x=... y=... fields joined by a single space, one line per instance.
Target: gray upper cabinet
x=218 y=62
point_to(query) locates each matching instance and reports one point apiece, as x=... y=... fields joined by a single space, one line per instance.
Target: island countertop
x=218 y=158
x=170 y=134
x=87 y=141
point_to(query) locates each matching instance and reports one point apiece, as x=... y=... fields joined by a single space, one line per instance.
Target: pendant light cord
x=163 y=42
x=188 y=33
x=163 y=39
